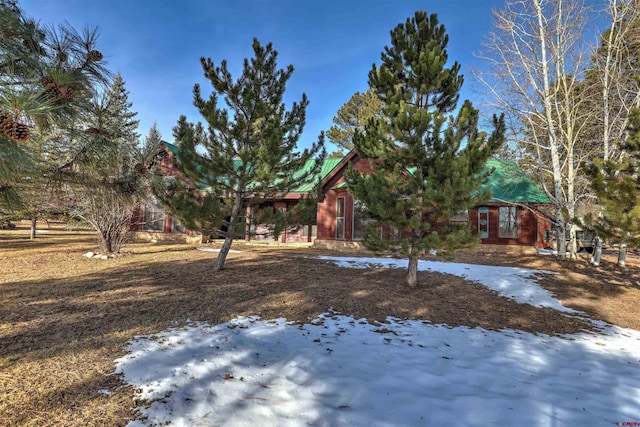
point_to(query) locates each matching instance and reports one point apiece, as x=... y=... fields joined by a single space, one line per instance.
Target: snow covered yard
x=344 y=371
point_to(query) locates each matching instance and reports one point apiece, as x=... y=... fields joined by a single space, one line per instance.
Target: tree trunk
x=597 y=252
x=247 y=225
x=105 y=242
x=573 y=243
x=32 y=233
x=231 y=230
x=622 y=254
x=552 y=133
x=562 y=242
x=412 y=272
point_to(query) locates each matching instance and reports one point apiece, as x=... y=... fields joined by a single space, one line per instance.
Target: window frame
x=357 y=204
x=340 y=225
x=152 y=210
x=509 y=223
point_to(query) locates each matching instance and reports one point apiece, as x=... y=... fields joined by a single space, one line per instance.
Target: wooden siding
x=326 y=217
x=532 y=223
x=532 y=226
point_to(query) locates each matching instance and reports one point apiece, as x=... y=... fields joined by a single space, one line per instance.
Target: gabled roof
x=328 y=165
x=508 y=183
x=172 y=148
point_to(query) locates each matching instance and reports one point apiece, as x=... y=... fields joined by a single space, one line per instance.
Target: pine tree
x=427 y=168
x=152 y=140
x=124 y=126
x=47 y=75
x=617 y=188
x=250 y=147
x=106 y=177
x=353 y=116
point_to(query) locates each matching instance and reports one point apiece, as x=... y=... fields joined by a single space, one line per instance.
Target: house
x=513 y=216
x=151 y=218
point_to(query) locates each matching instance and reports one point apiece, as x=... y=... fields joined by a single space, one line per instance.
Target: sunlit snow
x=341 y=371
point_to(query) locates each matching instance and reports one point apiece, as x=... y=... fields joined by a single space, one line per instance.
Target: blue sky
x=156 y=45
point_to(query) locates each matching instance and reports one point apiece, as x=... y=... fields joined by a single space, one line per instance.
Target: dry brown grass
x=65 y=318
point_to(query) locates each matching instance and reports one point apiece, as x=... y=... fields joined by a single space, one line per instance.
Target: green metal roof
x=328 y=165
x=508 y=183
x=173 y=148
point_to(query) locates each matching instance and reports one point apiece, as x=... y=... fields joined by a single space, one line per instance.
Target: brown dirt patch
x=65 y=318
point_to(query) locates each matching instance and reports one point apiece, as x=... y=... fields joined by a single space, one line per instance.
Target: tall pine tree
x=248 y=151
x=109 y=177
x=427 y=167
x=353 y=116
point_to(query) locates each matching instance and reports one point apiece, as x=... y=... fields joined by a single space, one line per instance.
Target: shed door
x=483 y=222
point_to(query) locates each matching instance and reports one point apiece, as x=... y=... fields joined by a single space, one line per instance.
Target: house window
x=509 y=226
x=305 y=231
x=340 y=218
x=360 y=220
x=177 y=226
x=153 y=216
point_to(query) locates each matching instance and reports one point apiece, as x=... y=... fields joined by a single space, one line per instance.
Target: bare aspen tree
x=536 y=56
x=615 y=64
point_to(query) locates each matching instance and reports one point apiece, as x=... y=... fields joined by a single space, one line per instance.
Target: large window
x=340 y=218
x=305 y=231
x=153 y=216
x=177 y=226
x=360 y=220
x=509 y=224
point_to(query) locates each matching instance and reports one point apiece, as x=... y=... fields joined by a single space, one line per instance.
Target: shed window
x=509 y=224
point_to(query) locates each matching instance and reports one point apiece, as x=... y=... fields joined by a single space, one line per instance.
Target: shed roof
x=508 y=183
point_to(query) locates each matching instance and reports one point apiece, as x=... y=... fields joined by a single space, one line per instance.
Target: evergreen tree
x=152 y=140
x=353 y=116
x=249 y=149
x=124 y=126
x=426 y=168
x=108 y=179
x=47 y=74
x=617 y=187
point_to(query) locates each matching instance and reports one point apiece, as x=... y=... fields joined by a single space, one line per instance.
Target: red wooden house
x=514 y=215
x=151 y=218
